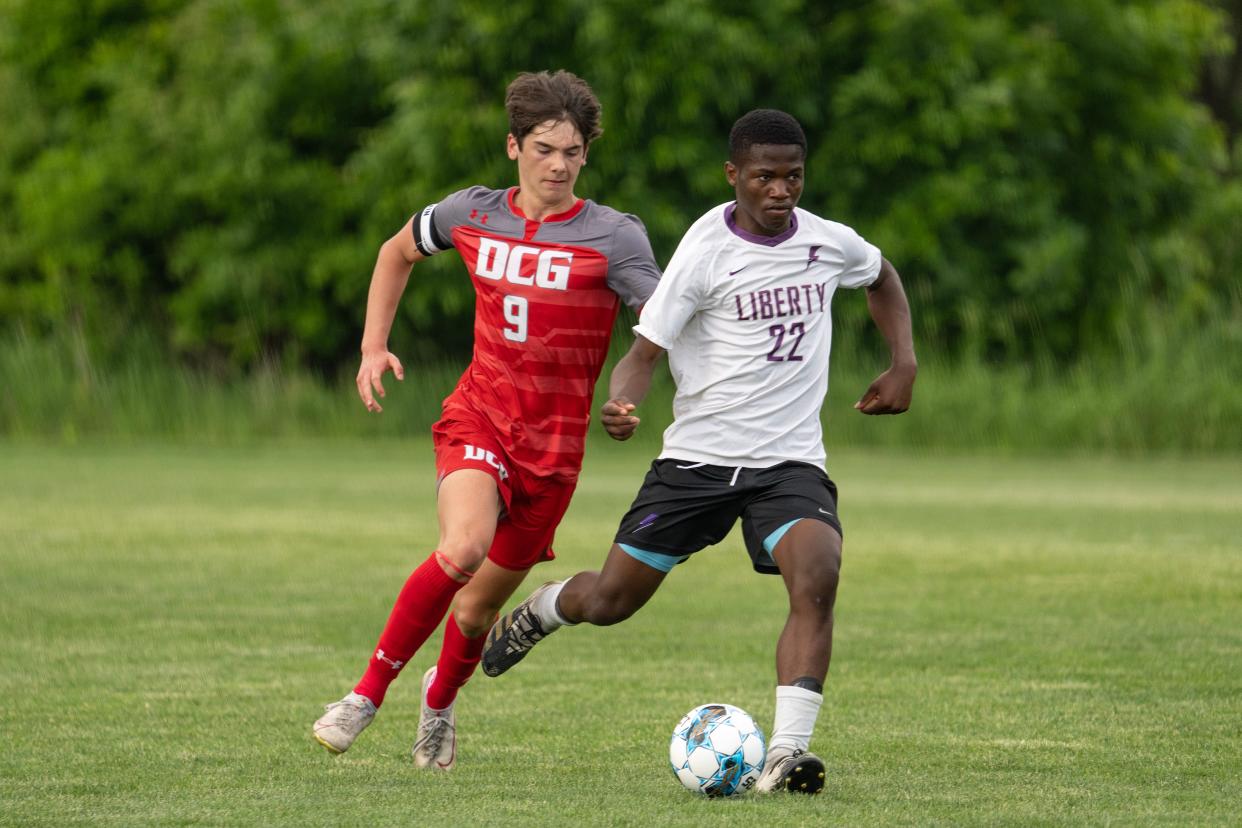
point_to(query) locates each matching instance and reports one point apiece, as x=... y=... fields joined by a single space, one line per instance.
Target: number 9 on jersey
x=515 y=315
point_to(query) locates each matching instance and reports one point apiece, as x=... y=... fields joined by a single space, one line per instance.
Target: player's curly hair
x=535 y=97
x=764 y=126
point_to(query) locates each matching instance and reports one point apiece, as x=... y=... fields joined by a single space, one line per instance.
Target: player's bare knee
x=474 y=614
x=829 y=574
x=824 y=572
x=465 y=553
x=474 y=619
x=814 y=591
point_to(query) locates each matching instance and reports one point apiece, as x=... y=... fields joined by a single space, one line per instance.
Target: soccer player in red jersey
x=549 y=271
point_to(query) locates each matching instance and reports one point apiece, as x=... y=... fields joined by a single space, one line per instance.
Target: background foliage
x=203 y=184
x=222 y=171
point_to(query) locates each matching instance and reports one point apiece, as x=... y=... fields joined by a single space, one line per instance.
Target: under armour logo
x=812 y=255
x=474 y=214
x=396 y=663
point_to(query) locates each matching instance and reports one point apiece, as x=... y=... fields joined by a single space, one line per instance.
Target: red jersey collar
x=565 y=216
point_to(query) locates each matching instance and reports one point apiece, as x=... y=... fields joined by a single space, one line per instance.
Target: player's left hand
x=617 y=419
x=890 y=393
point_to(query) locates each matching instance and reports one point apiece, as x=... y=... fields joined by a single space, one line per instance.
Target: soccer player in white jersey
x=743 y=311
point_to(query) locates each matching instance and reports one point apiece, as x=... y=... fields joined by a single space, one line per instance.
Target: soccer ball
x=717 y=750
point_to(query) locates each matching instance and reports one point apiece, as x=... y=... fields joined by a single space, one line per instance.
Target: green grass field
x=1019 y=642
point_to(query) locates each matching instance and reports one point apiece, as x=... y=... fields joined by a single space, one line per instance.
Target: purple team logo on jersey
x=812 y=255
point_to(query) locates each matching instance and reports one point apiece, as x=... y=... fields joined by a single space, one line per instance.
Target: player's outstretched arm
x=892 y=390
x=392 y=272
x=628 y=386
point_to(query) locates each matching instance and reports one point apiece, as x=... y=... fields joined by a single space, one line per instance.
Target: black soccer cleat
x=513 y=636
x=796 y=771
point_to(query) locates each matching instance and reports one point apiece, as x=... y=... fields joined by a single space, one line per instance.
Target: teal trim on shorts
x=655 y=560
x=770 y=542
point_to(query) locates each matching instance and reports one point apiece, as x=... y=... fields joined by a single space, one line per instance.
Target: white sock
x=796 y=711
x=545 y=608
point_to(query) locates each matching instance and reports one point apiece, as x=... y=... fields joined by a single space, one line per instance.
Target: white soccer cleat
x=436 y=747
x=793 y=770
x=342 y=721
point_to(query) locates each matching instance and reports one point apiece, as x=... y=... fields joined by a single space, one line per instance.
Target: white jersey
x=746 y=322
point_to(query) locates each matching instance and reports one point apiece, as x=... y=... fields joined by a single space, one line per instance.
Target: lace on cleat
x=436 y=746
x=513 y=636
x=342 y=721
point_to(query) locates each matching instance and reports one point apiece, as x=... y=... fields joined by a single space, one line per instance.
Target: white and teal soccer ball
x=717 y=750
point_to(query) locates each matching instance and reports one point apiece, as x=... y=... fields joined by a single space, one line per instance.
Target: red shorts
x=533 y=505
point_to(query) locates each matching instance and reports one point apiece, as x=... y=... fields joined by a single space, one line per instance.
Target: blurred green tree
x=223 y=171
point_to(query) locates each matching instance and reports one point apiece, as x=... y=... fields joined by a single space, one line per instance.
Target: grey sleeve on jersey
x=632 y=270
x=433 y=225
x=862 y=261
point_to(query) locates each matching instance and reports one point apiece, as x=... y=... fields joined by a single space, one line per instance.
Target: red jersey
x=546 y=295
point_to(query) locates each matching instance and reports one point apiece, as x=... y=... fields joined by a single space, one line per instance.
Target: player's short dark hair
x=535 y=97
x=764 y=126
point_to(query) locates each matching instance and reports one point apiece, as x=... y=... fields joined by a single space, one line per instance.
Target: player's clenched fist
x=617 y=419
x=371 y=373
x=890 y=393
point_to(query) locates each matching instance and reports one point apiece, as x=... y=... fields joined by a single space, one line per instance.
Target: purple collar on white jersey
x=770 y=241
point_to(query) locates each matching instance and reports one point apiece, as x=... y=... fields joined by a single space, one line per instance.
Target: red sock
x=458 y=658
x=422 y=603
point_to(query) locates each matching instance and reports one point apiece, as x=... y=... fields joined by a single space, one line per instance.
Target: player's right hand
x=371 y=373
x=617 y=419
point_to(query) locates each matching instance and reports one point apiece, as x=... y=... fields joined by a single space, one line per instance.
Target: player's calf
x=602 y=607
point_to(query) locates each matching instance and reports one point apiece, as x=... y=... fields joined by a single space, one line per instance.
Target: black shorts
x=683 y=507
